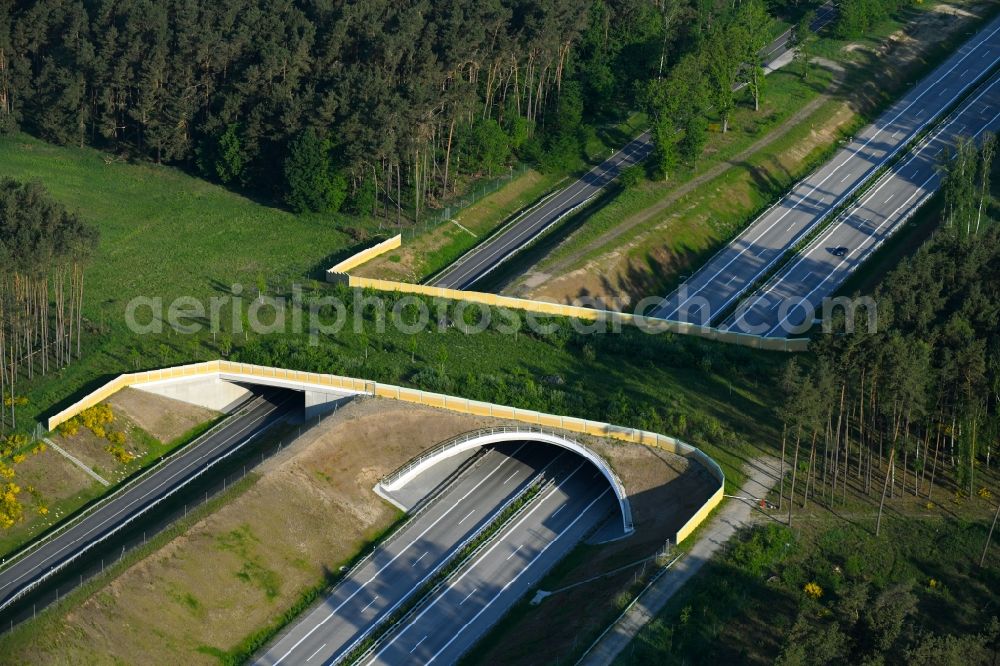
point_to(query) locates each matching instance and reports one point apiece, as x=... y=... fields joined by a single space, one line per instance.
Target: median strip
x=366 y=643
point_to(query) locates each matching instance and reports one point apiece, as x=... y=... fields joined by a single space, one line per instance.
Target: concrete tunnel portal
x=493 y=436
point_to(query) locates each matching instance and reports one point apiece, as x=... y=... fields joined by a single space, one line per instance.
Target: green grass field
x=166 y=234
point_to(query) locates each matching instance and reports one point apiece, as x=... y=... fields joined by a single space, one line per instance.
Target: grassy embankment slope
x=428 y=251
x=641 y=241
x=165 y=234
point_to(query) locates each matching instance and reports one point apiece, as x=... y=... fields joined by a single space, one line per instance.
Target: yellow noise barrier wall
x=247 y=372
x=365 y=255
x=339 y=274
x=578 y=312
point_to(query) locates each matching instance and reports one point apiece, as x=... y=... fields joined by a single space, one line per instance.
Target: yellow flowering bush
x=120 y=453
x=11 y=443
x=813 y=590
x=97 y=416
x=69 y=428
x=10 y=508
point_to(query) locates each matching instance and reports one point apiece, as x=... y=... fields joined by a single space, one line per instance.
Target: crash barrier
x=246 y=372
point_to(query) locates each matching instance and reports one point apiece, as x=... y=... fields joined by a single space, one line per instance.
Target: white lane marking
x=564 y=197
x=194 y=460
x=468 y=595
x=466 y=516
x=890 y=197
x=845 y=177
x=388 y=612
x=391 y=561
x=513 y=580
x=802 y=198
x=316 y=652
x=519 y=547
x=540 y=502
x=790 y=226
x=418 y=644
x=417 y=561
x=557 y=510
x=819 y=241
x=887 y=218
x=513 y=474
x=369 y=604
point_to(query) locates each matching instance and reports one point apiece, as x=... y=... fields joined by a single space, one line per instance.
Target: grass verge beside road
x=641 y=243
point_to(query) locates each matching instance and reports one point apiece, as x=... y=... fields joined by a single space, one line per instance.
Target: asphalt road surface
x=530 y=224
x=485 y=257
x=478 y=596
x=734 y=269
x=824 y=14
x=400 y=567
x=259 y=414
x=789 y=303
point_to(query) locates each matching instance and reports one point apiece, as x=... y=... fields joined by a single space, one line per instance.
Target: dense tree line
x=917 y=402
x=42 y=253
x=356 y=102
x=725 y=56
x=855 y=18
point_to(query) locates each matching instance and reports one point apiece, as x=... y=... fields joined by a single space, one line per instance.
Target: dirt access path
x=763 y=475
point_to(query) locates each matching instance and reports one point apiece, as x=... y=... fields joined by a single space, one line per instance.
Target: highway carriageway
x=463 y=609
x=533 y=222
x=708 y=293
x=31 y=567
x=380 y=586
x=778 y=309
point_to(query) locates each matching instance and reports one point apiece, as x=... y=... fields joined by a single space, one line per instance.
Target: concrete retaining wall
x=578 y=312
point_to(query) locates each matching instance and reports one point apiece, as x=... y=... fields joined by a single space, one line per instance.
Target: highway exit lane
x=530 y=224
x=23 y=573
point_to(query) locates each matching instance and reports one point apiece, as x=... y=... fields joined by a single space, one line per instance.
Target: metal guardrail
x=546 y=483
x=21 y=554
